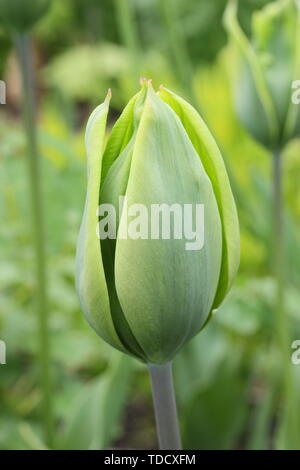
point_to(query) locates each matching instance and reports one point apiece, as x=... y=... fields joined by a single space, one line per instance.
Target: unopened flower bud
x=148 y=288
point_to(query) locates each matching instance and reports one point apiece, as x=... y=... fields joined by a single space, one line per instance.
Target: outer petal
x=165 y=291
x=90 y=278
x=214 y=166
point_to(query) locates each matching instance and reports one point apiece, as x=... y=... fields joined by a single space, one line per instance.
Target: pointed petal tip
x=108 y=96
x=145 y=81
x=163 y=89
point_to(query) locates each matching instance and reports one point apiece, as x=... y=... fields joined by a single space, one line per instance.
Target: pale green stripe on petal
x=214 y=166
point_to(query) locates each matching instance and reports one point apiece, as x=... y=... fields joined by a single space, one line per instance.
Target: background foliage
x=227 y=379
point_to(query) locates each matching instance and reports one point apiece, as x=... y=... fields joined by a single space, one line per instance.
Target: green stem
x=177 y=46
x=128 y=33
x=279 y=256
x=23 y=48
x=165 y=406
x=282 y=324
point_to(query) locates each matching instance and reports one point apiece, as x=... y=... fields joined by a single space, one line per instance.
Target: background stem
x=165 y=406
x=279 y=265
x=128 y=33
x=291 y=399
x=177 y=45
x=23 y=48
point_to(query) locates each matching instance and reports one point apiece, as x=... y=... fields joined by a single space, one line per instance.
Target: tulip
x=270 y=62
x=21 y=15
x=147 y=297
x=265 y=95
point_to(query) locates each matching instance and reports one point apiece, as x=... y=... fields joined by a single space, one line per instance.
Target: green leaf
x=96 y=413
x=30 y=437
x=214 y=423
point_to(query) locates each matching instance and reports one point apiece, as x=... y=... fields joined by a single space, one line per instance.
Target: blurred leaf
x=264 y=401
x=288 y=424
x=197 y=364
x=31 y=438
x=100 y=67
x=214 y=416
x=94 y=417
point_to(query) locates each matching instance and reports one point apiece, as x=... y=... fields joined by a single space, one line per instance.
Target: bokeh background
x=228 y=379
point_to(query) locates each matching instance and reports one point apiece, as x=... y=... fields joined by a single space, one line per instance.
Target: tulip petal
x=90 y=277
x=121 y=133
x=214 y=166
x=114 y=186
x=166 y=292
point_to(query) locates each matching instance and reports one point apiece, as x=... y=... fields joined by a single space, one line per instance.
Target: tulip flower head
x=147 y=288
x=270 y=62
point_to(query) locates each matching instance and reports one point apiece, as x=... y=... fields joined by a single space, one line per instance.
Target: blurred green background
x=228 y=379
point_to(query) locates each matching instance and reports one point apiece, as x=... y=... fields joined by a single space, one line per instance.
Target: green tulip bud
x=21 y=15
x=147 y=295
x=270 y=62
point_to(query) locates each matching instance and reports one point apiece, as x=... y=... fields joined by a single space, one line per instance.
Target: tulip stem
x=129 y=33
x=23 y=49
x=180 y=55
x=282 y=324
x=165 y=406
x=279 y=257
